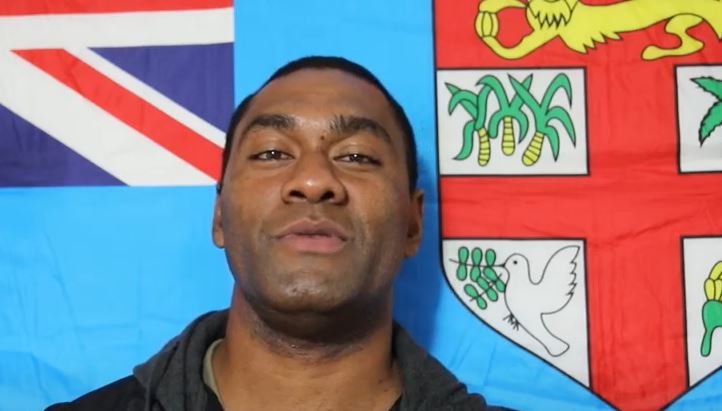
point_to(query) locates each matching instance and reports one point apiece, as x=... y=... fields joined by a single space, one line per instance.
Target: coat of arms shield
x=579 y=159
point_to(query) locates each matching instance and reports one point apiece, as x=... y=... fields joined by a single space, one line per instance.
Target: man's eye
x=270 y=155
x=359 y=158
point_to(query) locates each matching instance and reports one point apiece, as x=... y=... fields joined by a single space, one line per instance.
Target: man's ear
x=217 y=226
x=416 y=223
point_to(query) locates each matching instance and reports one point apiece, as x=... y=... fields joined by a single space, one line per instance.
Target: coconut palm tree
x=508 y=111
x=475 y=105
x=713 y=118
x=543 y=115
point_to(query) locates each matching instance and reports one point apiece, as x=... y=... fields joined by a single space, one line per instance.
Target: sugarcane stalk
x=484 y=147
x=507 y=138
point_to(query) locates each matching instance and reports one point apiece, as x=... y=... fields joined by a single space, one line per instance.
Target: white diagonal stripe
x=151 y=95
x=88 y=130
x=154 y=28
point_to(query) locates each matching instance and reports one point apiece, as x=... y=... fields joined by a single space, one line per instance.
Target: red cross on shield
x=580 y=156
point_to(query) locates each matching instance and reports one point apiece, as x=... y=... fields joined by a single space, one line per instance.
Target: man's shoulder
x=125 y=394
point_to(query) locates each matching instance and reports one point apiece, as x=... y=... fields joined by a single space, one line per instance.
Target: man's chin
x=309 y=283
x=299 y=303
x=315 y=297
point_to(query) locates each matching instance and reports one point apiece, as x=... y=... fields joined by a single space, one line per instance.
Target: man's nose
x=314 y=179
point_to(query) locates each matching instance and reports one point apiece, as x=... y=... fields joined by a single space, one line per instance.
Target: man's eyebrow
x=346 y=125
x=280 y=122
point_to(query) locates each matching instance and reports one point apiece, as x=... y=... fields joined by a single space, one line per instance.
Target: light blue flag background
x=94 y=280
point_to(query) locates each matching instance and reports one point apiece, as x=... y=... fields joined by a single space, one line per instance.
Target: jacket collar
x=173 y=377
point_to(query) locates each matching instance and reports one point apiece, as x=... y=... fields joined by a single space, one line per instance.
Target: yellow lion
x=580 y=25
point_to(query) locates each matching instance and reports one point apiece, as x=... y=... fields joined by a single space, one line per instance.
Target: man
x=316 y=209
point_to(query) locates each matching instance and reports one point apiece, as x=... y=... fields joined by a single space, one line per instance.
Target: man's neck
x=258 y=371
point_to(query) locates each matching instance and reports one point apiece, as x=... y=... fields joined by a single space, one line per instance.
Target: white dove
x=530 y=297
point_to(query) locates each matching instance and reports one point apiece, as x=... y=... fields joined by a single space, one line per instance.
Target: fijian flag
x=97 y=92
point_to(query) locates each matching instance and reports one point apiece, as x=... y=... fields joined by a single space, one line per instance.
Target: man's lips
x=322 y=237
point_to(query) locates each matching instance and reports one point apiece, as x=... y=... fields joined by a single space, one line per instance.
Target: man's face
x=315 y=212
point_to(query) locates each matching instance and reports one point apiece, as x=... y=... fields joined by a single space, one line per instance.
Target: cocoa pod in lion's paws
x=487 y=24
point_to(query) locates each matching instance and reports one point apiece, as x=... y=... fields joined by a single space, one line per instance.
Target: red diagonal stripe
x=23 y=7
x=129 y=108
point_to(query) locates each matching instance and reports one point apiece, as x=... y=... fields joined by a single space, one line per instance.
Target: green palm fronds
x=713 y=118
x=475 y=105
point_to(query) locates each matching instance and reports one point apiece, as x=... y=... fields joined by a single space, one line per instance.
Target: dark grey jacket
x=172 y=379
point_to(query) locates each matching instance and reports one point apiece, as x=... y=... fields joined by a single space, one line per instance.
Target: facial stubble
x=320 y=307
x=329 y=321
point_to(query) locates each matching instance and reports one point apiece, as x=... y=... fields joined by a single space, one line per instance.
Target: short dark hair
x=336 y=63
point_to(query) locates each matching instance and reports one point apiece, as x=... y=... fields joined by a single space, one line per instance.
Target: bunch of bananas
x=712 y=308
x=713 y=283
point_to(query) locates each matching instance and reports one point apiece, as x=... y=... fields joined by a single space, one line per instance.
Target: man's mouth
x=320 y=237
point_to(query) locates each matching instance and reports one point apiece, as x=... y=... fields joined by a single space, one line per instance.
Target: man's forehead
x=322 y=94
